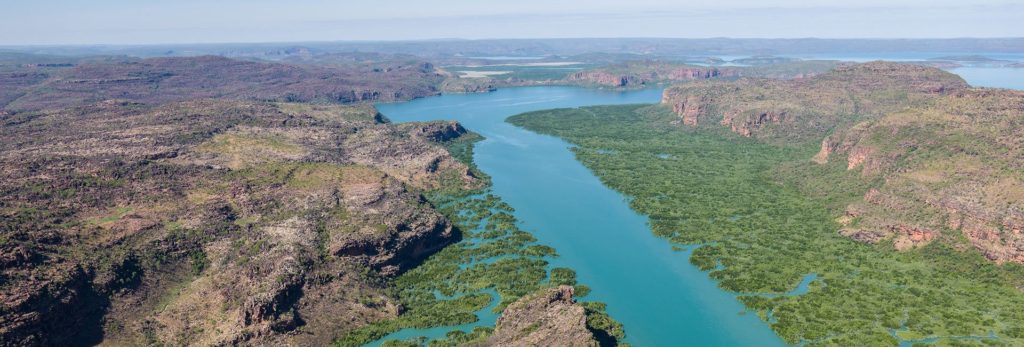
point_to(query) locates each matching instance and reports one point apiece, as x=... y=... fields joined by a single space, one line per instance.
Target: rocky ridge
x=160 y=80
x=946 y=156
x=548 y=318
x=639 y=74
x=212 y=222
x=952 y=166
x=802 y=109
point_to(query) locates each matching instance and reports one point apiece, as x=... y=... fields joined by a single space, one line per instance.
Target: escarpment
x=638 y=74
x=949 y=167
x=212 y=222
x=944 y=157
x=805 y=109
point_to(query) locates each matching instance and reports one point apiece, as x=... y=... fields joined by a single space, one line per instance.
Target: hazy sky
x=193 y=21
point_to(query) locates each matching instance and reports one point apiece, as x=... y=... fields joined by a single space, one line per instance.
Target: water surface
x=653 y=290
x=660 y=298
x=978 y=76
x=1004 y=77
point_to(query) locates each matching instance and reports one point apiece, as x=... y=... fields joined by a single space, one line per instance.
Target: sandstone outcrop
x=805 y=109
x=946 y=155
x=942 y=171
x=212 y=222
x=548 y=318
x=638 y=74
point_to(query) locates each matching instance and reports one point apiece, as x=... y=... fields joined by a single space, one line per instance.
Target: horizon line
x=456 y=39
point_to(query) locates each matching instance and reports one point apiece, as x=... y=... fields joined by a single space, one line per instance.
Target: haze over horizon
x=194 y=21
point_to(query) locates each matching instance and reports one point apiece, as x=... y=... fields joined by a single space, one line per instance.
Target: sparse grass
x=241 y=150
x=327 y=112
x=114 y=216
x=173 y=293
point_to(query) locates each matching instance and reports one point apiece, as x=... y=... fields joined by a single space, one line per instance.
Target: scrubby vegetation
x=132 y=224
x=738 y=199
x=494 y=254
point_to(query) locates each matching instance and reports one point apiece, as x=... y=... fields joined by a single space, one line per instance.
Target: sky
x=48 y=22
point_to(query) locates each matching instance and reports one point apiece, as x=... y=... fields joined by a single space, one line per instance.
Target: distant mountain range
x=543 y=47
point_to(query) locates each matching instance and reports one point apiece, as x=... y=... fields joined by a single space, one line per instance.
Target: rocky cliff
x=549 y=318
x=938 y=157
x=803 y=109
x=212 y=222
x=949 y=167
x=638 y=74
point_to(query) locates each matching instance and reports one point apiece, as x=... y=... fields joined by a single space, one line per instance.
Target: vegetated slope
x=635 y=74
x=640 y=73
x=497 y=267
x=765 y=216
x=212 y=222
x=955 y=166
x=806 y=109
x=945 y=158
x=158 y=80
x=20 y=71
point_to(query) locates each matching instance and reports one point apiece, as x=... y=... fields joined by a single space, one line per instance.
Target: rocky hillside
x=210 y=222
x=158 y=80
x=808 y=108
x=952 y=167
x=548 y=318
x=639 y=74
x=934 y=158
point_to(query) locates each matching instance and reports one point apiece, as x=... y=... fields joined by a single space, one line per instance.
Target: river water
x=652 y=289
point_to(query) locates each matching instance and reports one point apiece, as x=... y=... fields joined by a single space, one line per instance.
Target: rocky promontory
x=548 y=318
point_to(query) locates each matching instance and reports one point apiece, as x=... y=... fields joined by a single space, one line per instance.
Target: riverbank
x=648 y=286
x=760 y=233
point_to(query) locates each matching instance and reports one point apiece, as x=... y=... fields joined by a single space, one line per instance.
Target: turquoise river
x=651 y=288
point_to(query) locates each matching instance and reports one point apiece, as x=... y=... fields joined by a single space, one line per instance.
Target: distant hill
x=543 y=47
x=161 y=80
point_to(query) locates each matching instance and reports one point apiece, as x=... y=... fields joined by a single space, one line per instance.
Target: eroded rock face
x=398 y=228
x=746 y=124
x=212 y=222
x=827 y=147
x=642 y=73
x=934 y=182
x=946 y=156
x=548 y=318
x=692 y=108
x=806 y=109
